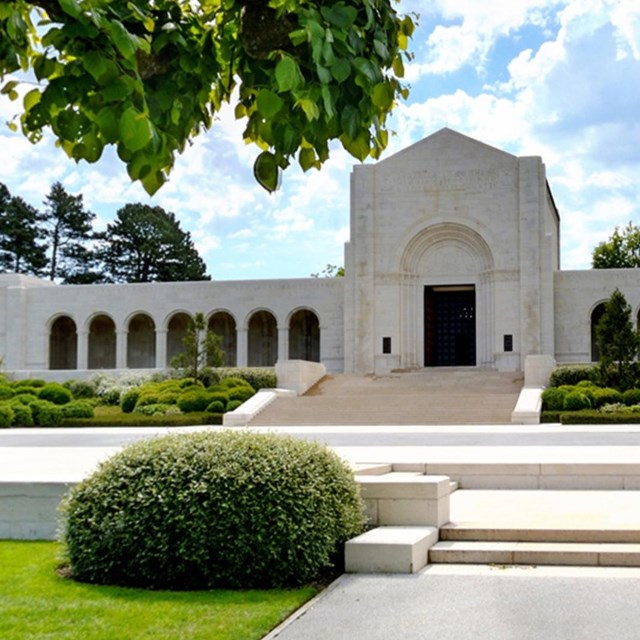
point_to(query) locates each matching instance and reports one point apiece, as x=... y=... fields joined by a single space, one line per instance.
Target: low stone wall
x=299 y=375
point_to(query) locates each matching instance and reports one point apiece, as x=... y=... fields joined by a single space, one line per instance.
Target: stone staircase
x=428 y=396
x=577 y=528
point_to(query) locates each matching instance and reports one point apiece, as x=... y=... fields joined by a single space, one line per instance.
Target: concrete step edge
x=516 y=534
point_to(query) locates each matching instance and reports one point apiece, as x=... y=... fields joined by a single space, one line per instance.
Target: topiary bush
x=215 y=407
x=80 y=389
x=46 y=414
x=156 y=409
x=600 y=396
x=129 y=400
x=218 y=396
x=232 y=405
x=241 y=393
x=631 y=397
x=553 y=399
x=24 y=398
x=6 y=416
x=56 y=393
x=78 y=409
x=573 y=374
x=208 y=510
x=576 y=401
x=196 y=400
x=22 y=416
x=35 y=383
x=6 y=392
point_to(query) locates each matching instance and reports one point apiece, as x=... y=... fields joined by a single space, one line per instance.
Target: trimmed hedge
x=631 y=396
x=139 y=420
x=573 y=374
x=190 y=401
x=46 y=414
x=575 y=401
x=553 y=398
x=129 y=400
x=22 y=416
x=209 y=510
x=6 y=415
x=56 y=393
x=78 y=409
x=215 y=407
x=6 y=392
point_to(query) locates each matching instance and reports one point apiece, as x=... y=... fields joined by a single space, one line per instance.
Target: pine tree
x=69 y=230
x=20 y=236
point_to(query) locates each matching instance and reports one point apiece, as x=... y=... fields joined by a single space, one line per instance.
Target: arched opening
x=141 y=342
x=304 y=336
x=223 y=325
x=102 y=343
x=596 y=314
x=63 y=344
x=263 y=340
x=176 y=331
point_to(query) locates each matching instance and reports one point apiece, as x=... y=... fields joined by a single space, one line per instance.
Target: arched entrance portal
x=263 y=340
x=176 y=331
x=304 y=336
x=596 y=314
x=102 y=343
x=141 y=343
x=223 y=325
x=63 y=344
x=447 y=298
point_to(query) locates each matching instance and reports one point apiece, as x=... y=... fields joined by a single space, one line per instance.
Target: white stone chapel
x=453 y=262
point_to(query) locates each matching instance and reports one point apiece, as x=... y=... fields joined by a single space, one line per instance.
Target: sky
x=558 y=79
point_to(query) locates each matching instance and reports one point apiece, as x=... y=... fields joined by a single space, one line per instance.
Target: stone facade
x=453 y=261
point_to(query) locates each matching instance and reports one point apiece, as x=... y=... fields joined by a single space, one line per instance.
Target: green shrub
x=77 y=409
x=24 y=398
x=573 y=374
x=173 y=418
x=208 y=510
x=615 y=407
x=32 y=391
x=585 y=384
x=22 y=416
x=576 y=401
x=232 y=405
x=56 y=393
x=46 y=414
x=81 y=390
x=196 y=400
x=241 y=393
x=553 y=399
x=148 y=396
x=111 y=397
x=234 y=381
x=157 y=409
x=189 y=382
x=215 y=407
x=6 y=415
x=129 y=400
x=218 y=396
x=6 y=392
x=168 y=396
x=604 y=395
x=631 y=396
x=36 y=383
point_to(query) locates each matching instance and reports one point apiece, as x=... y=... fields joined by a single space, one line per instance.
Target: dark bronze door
x=450 y=326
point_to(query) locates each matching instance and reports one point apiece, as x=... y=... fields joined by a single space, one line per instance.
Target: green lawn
x=36 y=603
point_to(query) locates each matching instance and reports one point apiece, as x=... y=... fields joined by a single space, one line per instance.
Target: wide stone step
x=536 y=553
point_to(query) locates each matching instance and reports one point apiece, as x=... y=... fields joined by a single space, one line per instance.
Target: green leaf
x=9 y=89
x=153 y=181
x=309 y=107
x=135 y=129
x=368 y=69
x=267 y=171
x=328 y=100
x=307 y=159
x=101 y=68
x=288 y=74
x=324 y=74
x=382 y=96
x=340 y=14
x=126 y=44
x=268 y=103
x=398 y=66
x=350 y=120
x=31 y=99
x=108 y=124
x=72 y=7
x=358 y=147
x=341 y=69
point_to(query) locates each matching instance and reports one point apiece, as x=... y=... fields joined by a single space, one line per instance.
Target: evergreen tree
x=69 y=231
x=20 y=235
x=201 y=349
x=617 y=340
x=146 y=244
x=620 y=251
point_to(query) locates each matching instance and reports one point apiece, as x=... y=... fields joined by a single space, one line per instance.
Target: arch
x=596 y=314
x=176 y=330
x=304 y=336
x=102 y=343
x=262 y=339
x=141 y=342
x=63 y=344
x=223 y=324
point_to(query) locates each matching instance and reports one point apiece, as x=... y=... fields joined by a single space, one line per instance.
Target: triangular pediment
x=448 y=146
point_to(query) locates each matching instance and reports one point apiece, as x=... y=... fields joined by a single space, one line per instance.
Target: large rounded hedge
x=212 y=509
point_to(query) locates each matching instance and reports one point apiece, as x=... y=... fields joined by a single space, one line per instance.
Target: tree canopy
x=146 y=244
x=620 y=251
x=149 y=76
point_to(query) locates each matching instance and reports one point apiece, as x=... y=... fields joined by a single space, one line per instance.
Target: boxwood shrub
x=232 y=405
x=35 y=383
x=631 y=397
x=215 y=407
x=46 y=414
x=573 y=374
x=193 y=400
x=575 y=401
x=24 y=398
x=129 y=400
x=6 y=415
x=78 y=409
x=207 y=510
x=56 y=393
x=22 y=416
x=553 y=399
x=6 y=392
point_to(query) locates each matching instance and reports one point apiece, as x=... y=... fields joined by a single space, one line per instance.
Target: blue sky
x=555 y=78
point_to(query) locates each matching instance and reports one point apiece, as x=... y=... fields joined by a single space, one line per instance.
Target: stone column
x=241 y=348
x=121 y=349
x=283 y=343
x=161 y=349
x=83 y=350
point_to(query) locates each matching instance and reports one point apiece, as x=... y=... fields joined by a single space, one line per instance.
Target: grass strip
x=37 y=604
